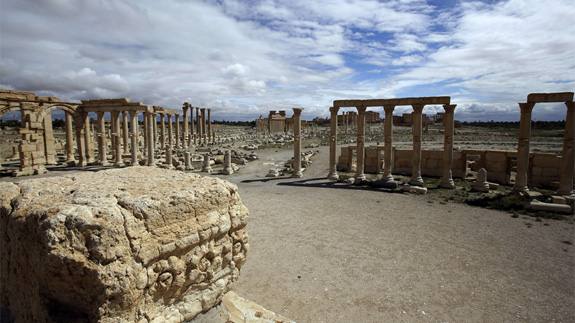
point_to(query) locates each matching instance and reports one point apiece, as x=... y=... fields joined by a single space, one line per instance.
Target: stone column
x=87 y=136
x=150 y=130
x=523 y=146
x=102 y=144
x=568 y=159
x=192 y=127
x=203 y=126
x=79 y=140
x=162 y=131
x=297 y=143
x=448 y=125
x=134 y=136
x=117 y=141
x=210 y=136
x=416 y=179
x=170 y=145
x=125 y=132
x=177 y=134
x=146 y=138
x=154 y=121
x=49 y=148
x=185 y=126
x=198 y=136
x=228 y=170
x=388 y=142
x=206 y=167
x=359 y=174
x=69 y=139
x=333 y=144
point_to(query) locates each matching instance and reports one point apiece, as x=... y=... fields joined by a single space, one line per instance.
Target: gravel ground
x=325 y=254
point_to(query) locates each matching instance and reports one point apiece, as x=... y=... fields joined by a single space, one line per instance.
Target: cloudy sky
x=243 y=58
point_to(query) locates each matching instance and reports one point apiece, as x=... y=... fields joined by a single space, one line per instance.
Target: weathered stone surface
x=237 y=309
x=139 y=244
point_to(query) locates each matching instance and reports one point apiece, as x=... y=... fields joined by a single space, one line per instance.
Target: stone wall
x=544 y=170
x=138 y=244
x=431 y=163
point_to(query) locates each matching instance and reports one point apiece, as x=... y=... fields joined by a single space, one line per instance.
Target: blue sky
x=243 y=58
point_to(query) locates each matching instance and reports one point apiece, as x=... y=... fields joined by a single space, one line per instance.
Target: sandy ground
x=325 y=254
x=345 y=255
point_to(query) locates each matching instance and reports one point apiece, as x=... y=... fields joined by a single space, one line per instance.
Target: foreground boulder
x=138 y=244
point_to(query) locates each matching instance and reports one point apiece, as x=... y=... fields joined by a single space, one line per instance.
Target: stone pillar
x=117 y=141
x=523 y=146
x=188 y=160
x=150 y=130
x=154 y=121
x=388 y=144
x=448 y=125
x=568 y=155
x=162 y=131
x=185 y=126
x=146 y=138
x=79 y=140
x=192 y=127
x=206 y=167
x=359 y=174
x=203 y=126
x=102 y=144
x=210 y=135
x=416 y=179
x=333 y=144
x=49 y=148
x=87 y=135
x=297 y=143
x=170 y=145
x=134 y=136
x=125 y=132
x=198 y=136
x=69 y=139
x=228 y=170
x=177 y=134
x=168 y=150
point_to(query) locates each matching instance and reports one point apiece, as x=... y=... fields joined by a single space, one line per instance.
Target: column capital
x=526 y=107
x=297 y=111
x=449 y=108
x=418 y=108
x=333 y=109
x=361 y=109
x=388 y=109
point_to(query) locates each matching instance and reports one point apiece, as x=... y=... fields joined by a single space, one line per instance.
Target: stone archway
x=45 y=114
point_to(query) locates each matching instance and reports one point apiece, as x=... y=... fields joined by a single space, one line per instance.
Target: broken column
x=448 y=124
x=206 y=167
x=416 y=179
x=188 y=160
x=228 y=170
x=297 y=143
x=333 y=144
x=523 y=146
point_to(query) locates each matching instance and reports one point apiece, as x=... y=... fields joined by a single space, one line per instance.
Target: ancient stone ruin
x=137 y=244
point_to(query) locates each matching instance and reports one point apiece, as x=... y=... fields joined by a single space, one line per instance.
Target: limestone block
x=237 y=309
x=122 y=245
x=550 y=207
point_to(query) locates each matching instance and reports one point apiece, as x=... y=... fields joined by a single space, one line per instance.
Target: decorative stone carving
x=137 y=244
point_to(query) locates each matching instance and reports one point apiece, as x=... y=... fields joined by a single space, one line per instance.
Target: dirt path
x=343 y=255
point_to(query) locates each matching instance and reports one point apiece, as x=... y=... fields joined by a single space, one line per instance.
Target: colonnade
x=389 y=105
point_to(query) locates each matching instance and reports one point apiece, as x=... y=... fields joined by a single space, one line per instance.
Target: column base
x=359 y=178
x=520 y=189
x=416 y=181
x=207 y=170
x=297 y=174
x=81 y=163
x=333 y=176
x=119 y=164
x=103 y=163
x=228 y=171
x=448 y=183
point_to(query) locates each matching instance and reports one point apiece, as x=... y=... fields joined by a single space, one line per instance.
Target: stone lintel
x=550 y=97
x=395 y=101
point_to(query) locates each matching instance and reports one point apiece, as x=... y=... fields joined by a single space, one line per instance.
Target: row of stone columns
x=416 y=179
